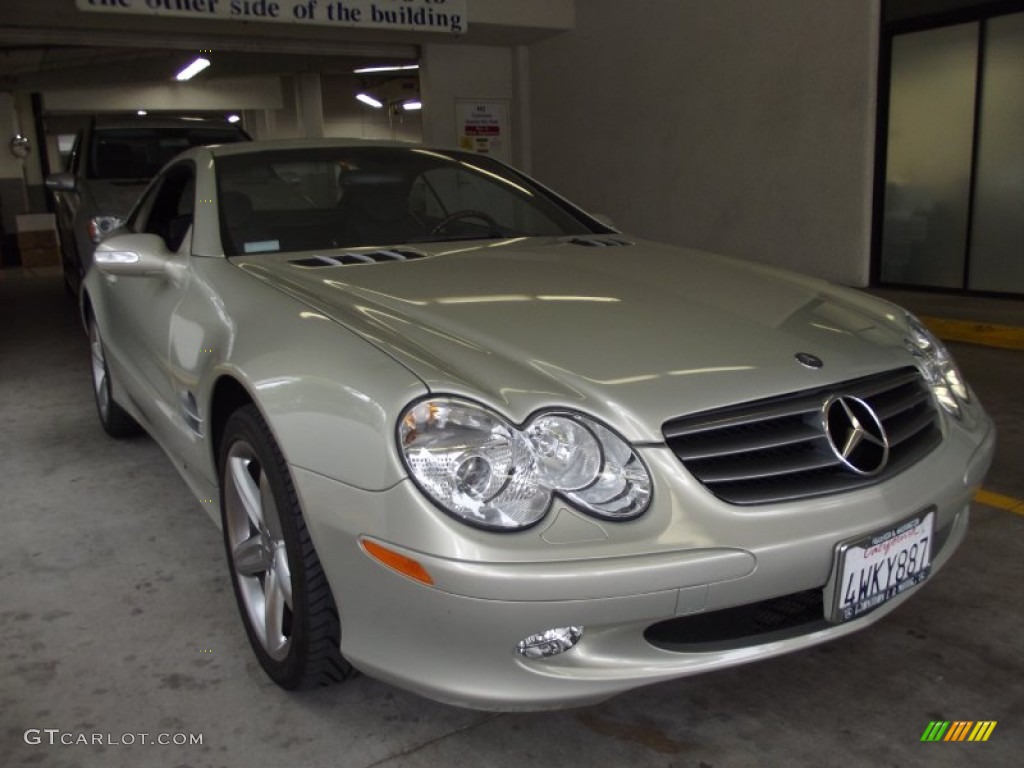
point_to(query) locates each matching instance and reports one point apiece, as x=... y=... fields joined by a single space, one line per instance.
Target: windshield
x=138 y=153
x=349 y=197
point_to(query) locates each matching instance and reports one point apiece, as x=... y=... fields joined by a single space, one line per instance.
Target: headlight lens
x=101 y=226
x=938 y=365
x=488 y=472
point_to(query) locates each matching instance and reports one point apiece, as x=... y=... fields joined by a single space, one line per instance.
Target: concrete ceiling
x=39 y=68
x=48 y=45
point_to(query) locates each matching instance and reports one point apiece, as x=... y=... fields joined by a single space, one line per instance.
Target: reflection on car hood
x=635 y=334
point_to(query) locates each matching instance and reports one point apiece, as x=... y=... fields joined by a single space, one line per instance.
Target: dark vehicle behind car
x=111 y=162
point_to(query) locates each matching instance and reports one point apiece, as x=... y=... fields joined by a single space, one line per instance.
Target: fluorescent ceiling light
x=412 y=106
x=370 y=100
x=192 y=69
x=233 y=118
x=386 y=68
x=142 y=112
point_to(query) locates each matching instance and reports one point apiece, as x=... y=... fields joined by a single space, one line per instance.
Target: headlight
x=487 y=472
x=939 y=368
x=101 y=226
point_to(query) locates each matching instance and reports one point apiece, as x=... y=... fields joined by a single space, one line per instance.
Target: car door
x=144 y=308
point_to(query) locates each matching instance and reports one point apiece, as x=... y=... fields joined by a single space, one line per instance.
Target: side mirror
x=133 y=255
x=61 y=182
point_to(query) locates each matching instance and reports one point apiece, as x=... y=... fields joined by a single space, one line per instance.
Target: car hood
x=635 y=335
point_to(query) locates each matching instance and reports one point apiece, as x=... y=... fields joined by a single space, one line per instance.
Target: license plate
x=882 y=565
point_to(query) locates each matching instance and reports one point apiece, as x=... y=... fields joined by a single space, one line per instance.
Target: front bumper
x=690 y=554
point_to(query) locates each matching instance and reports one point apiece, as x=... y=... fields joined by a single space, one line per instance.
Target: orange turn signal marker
x=396 y=562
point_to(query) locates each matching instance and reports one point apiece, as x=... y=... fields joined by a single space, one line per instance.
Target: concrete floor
x=116 y=617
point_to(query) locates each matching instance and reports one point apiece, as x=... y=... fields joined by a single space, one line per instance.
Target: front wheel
x=286 y=603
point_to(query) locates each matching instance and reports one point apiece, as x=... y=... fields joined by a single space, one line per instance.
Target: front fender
x=329 y=397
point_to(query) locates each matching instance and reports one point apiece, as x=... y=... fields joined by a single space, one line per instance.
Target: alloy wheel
x=100 y=380
x=258 y=553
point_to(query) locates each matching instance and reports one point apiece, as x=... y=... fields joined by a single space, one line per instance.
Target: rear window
x=138 y=153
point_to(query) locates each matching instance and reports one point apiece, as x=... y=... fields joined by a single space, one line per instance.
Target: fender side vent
x=600 y=242
x=359 y=257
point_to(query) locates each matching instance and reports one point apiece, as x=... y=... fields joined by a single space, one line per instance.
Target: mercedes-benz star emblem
x=808 y=360
x=855 y=434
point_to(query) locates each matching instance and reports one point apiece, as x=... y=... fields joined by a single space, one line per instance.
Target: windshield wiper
x=459 y=238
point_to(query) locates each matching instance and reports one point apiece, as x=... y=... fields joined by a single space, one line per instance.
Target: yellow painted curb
x=998 y=501
x=986 y=334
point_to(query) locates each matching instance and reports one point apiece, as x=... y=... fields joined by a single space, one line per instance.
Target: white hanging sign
x=416 y=15
x=483 y=127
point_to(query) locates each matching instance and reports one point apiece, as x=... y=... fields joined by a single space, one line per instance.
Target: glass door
x=952 y=213
x=997 y=228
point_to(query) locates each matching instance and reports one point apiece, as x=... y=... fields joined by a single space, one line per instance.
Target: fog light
x=550 y=642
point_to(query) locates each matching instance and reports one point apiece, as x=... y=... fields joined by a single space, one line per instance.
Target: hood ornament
x=807 y=360
x=855 y=434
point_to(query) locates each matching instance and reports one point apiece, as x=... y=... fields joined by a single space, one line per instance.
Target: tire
x=283 y=596
x=115 y=420
x=69 y=286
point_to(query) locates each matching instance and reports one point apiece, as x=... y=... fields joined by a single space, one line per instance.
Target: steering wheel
x=468 y=213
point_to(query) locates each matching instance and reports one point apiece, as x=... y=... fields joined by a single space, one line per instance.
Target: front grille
x=794 y=614
x=776 y=449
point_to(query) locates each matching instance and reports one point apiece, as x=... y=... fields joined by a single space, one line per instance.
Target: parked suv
x=111 y=162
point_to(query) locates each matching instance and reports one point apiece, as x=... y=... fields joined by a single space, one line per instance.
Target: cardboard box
x=39 y=257
x=34 y=222
x=37 y=240
x=32 y=241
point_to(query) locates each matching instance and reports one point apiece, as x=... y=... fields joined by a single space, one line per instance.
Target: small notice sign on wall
x=418 y=15
x=483 y=128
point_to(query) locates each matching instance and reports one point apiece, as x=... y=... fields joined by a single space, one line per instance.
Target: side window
x=140 y=213
x=168 y=206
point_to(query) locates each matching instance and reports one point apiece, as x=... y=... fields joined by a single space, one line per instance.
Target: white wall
x=741 y=127
x=450 y=72
x=10 y=166
x=541 y=14
x=13 y=192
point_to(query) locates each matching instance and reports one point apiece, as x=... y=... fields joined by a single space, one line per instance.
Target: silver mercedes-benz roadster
x=469 y=439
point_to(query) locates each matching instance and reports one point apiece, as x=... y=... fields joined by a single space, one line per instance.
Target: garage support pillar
x=309 y=105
